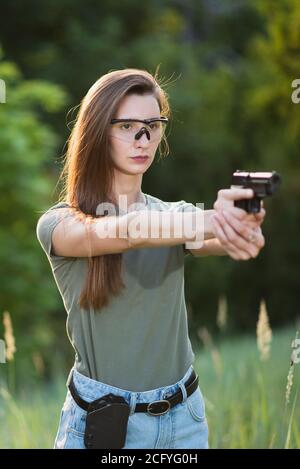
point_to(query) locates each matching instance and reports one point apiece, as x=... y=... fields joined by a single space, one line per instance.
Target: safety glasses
x=130 y=130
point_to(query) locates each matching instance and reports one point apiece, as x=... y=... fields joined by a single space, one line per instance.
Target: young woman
x=123 y=293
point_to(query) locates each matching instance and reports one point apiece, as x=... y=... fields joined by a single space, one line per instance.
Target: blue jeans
x=183 y=426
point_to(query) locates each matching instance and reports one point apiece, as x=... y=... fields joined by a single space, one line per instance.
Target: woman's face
x=124 y=147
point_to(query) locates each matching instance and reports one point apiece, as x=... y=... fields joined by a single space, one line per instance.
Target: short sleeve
x=45 y=226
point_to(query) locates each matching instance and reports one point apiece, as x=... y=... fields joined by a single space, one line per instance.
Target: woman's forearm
x=211 y=247
x=156 y=228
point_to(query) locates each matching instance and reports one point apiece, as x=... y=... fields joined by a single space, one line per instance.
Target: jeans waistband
x=90 y=389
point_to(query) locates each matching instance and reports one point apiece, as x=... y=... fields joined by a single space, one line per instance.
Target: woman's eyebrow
x=138 y=118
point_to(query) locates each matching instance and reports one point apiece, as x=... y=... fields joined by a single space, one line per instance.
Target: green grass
x=245 y=399
x=31 y=420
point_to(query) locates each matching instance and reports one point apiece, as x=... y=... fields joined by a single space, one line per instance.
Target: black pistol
x=264 y=184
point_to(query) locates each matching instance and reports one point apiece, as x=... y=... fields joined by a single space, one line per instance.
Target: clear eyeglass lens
x=127 y=130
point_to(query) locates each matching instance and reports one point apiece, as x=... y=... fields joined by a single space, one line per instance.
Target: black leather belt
x=153 y=408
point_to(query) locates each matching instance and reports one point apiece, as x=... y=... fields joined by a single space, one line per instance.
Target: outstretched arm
x=211 y=247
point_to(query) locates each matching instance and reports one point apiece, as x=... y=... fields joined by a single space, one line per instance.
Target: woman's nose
x=142 y=141
x=142 y=131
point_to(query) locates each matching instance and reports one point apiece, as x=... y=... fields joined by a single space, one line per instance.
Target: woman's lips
x=139 y=159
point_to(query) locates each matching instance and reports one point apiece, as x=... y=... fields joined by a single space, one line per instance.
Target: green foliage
x=26 y=146
x=227 y=68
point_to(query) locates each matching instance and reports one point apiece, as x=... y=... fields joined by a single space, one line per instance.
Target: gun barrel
x=269 y=180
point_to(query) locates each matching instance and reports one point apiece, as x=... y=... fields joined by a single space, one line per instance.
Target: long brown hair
x=88 y=172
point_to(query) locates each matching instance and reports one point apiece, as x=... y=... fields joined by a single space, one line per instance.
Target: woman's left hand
x=239 y=232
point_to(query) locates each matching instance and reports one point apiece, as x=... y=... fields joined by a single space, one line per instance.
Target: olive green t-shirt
x=140 y=340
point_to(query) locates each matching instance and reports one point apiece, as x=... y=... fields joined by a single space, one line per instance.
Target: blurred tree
x=26 y=144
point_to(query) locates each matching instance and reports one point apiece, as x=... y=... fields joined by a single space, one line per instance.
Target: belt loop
x=69 y=377
x=132 y=404
x=183 y=390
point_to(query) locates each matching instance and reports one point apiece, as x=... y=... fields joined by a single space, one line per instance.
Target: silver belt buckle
x=167 y=403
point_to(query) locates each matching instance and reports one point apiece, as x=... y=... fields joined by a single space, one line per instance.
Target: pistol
x=263 y=184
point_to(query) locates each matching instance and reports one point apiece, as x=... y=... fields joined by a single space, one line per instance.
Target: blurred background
x=228 y=69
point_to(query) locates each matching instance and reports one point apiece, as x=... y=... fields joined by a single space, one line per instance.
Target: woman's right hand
x=238 y=232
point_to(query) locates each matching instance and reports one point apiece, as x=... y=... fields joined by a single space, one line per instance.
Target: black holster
x=106 y=423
